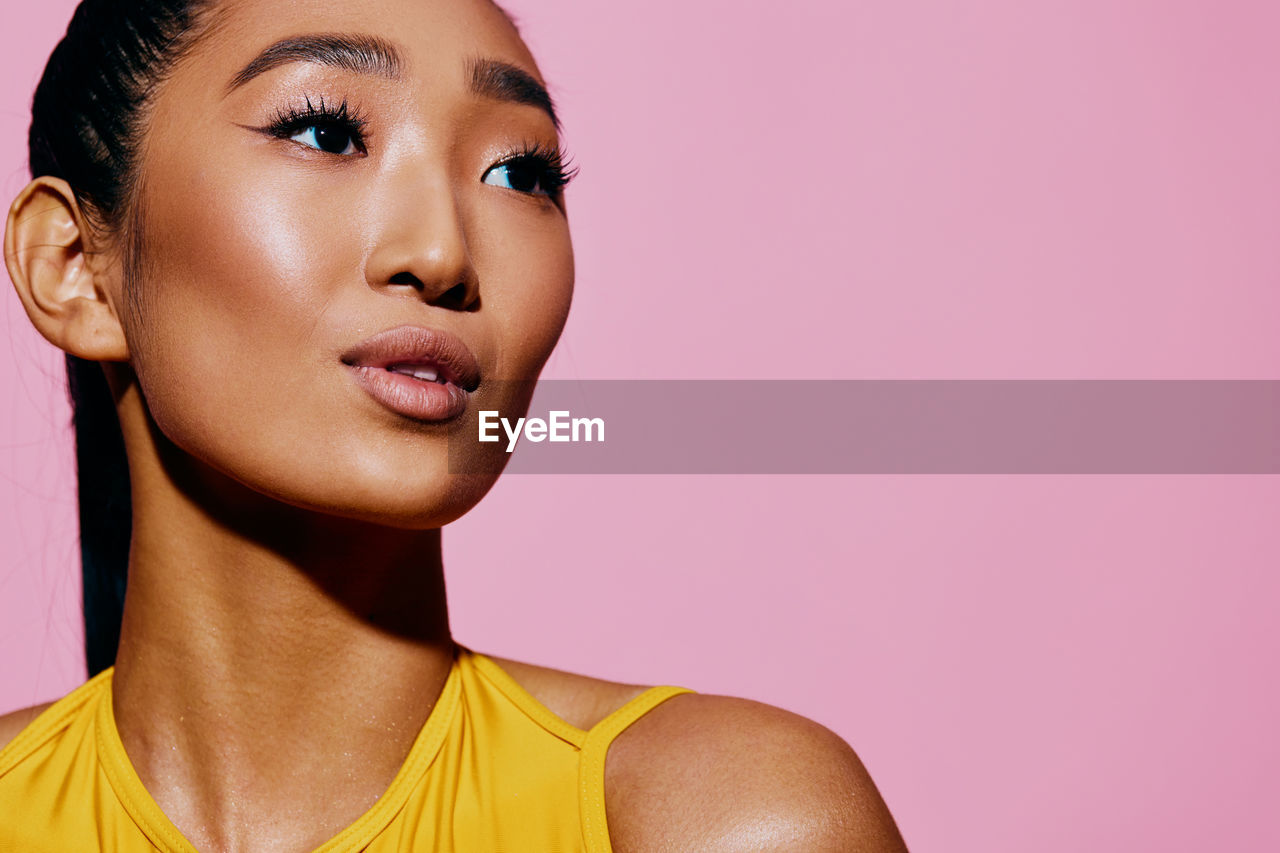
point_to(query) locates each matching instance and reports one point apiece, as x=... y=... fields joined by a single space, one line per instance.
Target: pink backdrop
x=878 y=189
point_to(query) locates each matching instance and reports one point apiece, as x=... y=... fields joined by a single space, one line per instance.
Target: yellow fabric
x=491 y=771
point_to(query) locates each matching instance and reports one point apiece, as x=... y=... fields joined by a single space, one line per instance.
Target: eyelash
x=290 y=122
x=553 y=167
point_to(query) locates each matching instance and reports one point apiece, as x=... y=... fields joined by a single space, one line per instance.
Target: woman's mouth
x=420 y=373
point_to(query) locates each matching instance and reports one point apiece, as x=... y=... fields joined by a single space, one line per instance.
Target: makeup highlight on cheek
x=244 y=262
x=257 y=240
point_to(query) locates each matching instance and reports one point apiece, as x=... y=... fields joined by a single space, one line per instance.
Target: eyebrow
x=358 y=53
x=486 y=78
x=502 y=81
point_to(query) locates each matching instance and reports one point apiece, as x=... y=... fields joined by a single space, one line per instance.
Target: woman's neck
x=272 y=657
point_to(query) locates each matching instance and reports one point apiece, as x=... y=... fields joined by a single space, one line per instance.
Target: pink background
x=877 y=189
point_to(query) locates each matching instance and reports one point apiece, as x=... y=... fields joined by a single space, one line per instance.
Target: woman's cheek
x=556 y=294
x=240 y=271
x=531 y=291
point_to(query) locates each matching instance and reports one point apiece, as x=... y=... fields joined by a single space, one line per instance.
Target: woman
x=291 y=247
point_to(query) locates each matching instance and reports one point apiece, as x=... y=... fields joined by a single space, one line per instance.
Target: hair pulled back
x=87 y=121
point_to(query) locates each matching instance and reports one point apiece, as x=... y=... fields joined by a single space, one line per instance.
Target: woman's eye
x=330 y=138
x=522 y=176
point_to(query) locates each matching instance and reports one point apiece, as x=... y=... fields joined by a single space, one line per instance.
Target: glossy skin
x=286 y=597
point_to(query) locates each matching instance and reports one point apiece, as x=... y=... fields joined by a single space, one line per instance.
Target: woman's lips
x=421 y=373
x=413 y=398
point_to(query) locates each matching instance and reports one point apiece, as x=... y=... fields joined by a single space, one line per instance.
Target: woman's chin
x=405 y=505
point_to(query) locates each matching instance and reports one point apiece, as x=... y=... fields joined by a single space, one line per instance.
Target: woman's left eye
x=330 y=138
x=522 y=175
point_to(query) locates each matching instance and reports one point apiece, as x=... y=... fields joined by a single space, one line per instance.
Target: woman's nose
x=421 y=249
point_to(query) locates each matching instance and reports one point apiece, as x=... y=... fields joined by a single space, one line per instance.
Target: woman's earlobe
x=46 y=249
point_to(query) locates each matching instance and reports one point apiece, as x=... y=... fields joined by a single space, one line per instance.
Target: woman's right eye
x=334 y=130
x=332 y=138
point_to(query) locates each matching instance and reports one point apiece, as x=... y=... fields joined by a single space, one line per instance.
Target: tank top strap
x=51 y=720
x=595 y=748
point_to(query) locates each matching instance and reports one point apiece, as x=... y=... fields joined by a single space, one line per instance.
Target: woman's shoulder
x=15 y=721
x=718 y=773
x=713 y=773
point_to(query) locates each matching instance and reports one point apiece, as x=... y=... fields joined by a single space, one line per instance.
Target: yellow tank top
x=491 y=771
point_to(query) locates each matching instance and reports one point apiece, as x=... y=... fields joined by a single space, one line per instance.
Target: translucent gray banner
x=880 y=427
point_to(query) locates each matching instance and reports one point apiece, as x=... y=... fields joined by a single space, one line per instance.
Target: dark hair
x=86 y=126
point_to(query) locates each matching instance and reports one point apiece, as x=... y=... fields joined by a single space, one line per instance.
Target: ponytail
x=105 y=510
x=86 y=128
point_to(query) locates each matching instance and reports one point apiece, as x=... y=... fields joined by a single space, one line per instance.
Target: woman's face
x=297 y=202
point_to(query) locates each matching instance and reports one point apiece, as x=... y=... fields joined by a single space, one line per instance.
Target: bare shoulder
x=715 y=773
x=16 y=721
x=579 y=700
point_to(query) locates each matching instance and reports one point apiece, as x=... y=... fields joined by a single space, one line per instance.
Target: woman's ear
x=47 y=248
